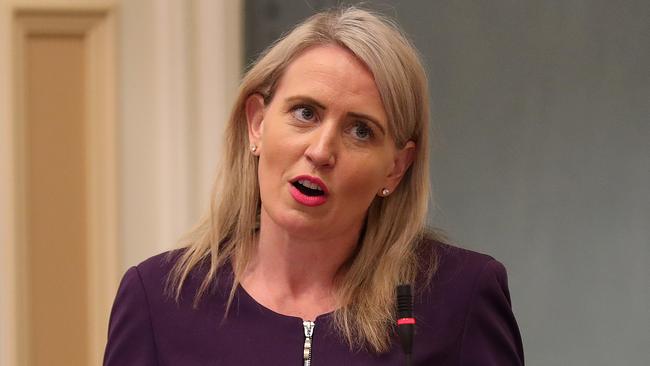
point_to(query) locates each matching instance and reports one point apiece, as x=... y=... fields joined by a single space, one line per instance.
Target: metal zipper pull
x=309 y=334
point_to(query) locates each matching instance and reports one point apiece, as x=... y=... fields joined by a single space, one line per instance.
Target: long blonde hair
x=395 y=225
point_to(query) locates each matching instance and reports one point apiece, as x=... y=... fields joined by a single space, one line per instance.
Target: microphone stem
x=408 y=359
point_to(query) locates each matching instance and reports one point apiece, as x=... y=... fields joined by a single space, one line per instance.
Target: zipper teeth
x=308 y=327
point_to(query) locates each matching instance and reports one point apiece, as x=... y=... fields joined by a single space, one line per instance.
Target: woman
x=318 y=216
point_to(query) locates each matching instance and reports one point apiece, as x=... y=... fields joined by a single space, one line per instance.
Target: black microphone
x=405 y=320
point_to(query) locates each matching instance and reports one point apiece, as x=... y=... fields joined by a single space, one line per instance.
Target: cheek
x=276 y=156
x=277 y=137
x=365 y=179
x=270 y=168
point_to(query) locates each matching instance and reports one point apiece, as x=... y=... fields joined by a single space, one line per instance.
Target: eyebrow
x=310 y=100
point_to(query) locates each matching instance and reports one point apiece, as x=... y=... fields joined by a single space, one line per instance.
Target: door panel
x=56 y=200
x=66 y=239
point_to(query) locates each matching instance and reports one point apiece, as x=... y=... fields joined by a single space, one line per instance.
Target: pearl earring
x=253 y=148
x=385 y=192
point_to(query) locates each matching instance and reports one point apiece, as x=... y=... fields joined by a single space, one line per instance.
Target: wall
x=181 y=63
x=541 y=157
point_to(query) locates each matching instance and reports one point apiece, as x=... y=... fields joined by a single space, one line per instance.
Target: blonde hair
x=395 y=225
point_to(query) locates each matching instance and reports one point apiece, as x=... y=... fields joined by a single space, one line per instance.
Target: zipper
x=308 y=326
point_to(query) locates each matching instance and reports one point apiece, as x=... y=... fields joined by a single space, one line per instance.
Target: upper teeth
x=309 y=184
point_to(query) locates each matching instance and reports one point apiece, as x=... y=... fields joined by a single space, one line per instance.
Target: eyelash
x=297 y=108
x=295 y=112
x=369 y=131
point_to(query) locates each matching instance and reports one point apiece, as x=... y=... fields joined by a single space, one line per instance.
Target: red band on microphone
x=403 y=321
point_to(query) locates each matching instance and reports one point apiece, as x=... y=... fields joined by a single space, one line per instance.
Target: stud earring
x=385 y=192
x=253 y=148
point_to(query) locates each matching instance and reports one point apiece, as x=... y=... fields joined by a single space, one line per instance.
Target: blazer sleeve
x=130 y=332
x=491 y=336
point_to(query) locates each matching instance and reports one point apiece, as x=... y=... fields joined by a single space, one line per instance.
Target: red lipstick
x=308 y=190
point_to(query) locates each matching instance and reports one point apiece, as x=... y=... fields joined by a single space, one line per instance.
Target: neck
x=292 y=271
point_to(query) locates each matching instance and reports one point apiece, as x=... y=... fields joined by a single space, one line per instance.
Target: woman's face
x=324 y=147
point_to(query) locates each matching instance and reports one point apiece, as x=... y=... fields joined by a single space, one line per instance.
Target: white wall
x=180 y=66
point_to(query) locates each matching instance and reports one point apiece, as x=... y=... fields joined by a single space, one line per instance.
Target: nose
x=323 y=147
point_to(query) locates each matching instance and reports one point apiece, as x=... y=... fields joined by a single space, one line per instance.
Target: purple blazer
x=463 y=318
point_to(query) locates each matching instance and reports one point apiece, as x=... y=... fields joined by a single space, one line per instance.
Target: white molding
x=171 y=114
x=8 y=306
x=103 y=254
x=197 y=53
x=219 y=62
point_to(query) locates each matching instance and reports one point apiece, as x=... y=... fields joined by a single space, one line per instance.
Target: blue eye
x=361 y=131
x=303 y=113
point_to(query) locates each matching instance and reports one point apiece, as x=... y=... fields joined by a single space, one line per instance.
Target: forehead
x=328 y=56
x=333 y=75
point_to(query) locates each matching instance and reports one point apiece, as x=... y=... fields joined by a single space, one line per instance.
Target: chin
x=299 y=223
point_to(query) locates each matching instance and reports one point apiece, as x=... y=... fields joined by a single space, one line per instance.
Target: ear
x=403 y=160
x=255 y=119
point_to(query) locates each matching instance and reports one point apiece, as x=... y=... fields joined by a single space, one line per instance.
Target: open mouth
x=308 y=188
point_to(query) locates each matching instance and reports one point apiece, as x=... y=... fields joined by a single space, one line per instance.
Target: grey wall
x=542 y=158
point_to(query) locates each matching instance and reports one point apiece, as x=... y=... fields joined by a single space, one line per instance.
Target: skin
x=326 y=119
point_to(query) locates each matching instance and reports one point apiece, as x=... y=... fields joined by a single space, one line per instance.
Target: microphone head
x=404 y=302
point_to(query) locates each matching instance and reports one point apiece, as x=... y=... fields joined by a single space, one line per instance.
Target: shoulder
x=144 y=283
x=158 y=267
x=146 y=312
x=131 y=336
x=160 y=264
x=467 y=300
x=462 y=275
x=473 y=276
x=453 y=261
x=458 y=266
x=155 y=274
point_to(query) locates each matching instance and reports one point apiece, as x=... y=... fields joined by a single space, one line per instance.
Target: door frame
x=96 y=22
